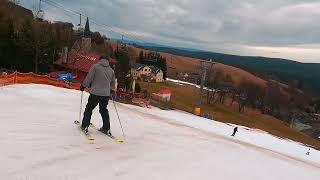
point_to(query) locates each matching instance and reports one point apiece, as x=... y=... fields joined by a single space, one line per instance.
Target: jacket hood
x=104 y=62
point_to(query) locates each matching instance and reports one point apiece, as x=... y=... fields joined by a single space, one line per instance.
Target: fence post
x=15 y=78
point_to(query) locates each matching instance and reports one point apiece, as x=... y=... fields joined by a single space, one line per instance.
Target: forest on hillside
x=32 y=44
x=28 y=44
x=287 y=71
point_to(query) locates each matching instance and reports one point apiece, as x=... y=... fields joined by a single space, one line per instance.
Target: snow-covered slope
x=39 y=141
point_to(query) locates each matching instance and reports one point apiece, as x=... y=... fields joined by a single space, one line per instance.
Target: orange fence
x=31 y=78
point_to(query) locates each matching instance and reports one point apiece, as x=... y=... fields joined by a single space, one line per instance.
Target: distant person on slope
x=235 y=130
x=101 y=80
x=308 y=153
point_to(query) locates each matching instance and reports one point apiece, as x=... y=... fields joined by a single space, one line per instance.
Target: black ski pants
x=93 y=101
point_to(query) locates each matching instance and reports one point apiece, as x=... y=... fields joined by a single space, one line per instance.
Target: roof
x=154 y=69
x=152 y=59
x=137 y=66
x=165 y=91
x=82 y=60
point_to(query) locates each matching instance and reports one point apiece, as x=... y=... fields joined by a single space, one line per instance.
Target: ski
x=88 y=135
x=112 y=137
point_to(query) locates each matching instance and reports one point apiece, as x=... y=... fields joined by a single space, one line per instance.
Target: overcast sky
x=273 y=28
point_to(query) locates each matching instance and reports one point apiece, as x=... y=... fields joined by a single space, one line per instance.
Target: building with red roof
x=79 y=62
x=80 y=58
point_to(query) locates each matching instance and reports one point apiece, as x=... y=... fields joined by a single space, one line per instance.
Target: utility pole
x=39 y=14
x=80 y=20
x=39 y=5
x=204 y=69
x=204 y=65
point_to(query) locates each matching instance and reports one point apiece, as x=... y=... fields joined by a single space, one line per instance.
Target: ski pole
x=80 y=106
x=124 y=136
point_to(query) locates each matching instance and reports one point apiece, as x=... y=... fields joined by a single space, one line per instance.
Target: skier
x=308 y=153
x=101 y=80
x=235 y=130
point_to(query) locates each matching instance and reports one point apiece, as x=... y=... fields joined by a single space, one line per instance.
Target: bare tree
x=248 y=94
x=15 y=1
x=213 y=83
x=35 y=38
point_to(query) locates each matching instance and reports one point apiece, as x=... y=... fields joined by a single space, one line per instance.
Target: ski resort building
x=79 y=63
x=146 y=73
x=80 y=58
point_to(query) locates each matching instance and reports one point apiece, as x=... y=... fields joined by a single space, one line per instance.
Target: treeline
x=274 y=98
x=30 y=44
x=307 y=74
x=155 y=59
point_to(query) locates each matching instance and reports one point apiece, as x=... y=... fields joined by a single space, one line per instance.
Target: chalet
x=157 y=73
x=146 y=73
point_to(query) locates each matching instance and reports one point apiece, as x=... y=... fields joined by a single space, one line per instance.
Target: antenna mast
x=40 y=13
x=39 y=6
x=80 y=19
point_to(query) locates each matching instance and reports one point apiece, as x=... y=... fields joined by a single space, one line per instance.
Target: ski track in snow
x=41 y=142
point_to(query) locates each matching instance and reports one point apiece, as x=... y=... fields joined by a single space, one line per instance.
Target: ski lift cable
x=64 y=11
x=119 y=32
x=61 y=6
x=57 y=5
x=107 y=27
x=114 y=31
x=72 y=12
x=67 y=13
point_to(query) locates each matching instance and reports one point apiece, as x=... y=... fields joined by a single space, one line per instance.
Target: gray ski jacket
x=100 y=79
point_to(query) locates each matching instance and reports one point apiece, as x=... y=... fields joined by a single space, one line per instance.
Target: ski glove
x=82 y=88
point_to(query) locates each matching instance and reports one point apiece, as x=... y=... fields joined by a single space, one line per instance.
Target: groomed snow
x=39 y=141
x=181 y=83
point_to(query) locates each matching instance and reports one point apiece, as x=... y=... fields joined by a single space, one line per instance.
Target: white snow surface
x=40 y=142
x=182 y=83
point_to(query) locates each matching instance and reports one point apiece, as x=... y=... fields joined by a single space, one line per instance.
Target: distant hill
x=307 y=74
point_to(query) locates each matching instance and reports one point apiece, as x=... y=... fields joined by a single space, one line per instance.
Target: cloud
x=233 y=26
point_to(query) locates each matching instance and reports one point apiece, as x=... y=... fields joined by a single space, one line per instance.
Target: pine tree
x=36 y=42
x=7 y=43
x=162 y=64
x=123 y=65
x=141 y=57
x=87 y=29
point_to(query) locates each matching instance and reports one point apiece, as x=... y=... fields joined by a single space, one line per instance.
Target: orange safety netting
x=31 y=78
